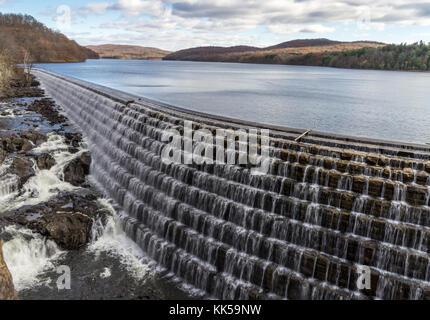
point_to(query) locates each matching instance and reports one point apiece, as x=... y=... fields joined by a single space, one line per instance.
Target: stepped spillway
x=328 y=205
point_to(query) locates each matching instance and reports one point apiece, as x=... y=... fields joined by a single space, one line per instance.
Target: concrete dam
x=329 y=211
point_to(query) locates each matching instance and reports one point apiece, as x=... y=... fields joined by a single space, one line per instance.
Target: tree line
x=23 y=34
x=412 y=57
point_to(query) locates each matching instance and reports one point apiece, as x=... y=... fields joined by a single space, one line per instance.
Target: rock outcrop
x=7 y=290
x=67 y=219
x=45 y=161
x=70 y=230
x=22 y=143
x=46 y=108
x=23 y=168
x=76 y=171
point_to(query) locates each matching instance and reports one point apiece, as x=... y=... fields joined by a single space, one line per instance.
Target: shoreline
x=124 y=97
x=296 y=65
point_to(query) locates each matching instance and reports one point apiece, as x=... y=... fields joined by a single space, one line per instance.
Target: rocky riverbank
x=67 y=218
x=51 y=215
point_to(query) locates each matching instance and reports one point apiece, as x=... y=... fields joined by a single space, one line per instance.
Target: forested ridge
x=279 y=54
x=413 y=57
x=115 y=51
x=354 y=55
x=21 y=34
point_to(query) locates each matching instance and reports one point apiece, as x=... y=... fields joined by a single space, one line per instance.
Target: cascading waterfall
x=9 y=185
x=28 y=254
x=45 y=183
x=300 y=232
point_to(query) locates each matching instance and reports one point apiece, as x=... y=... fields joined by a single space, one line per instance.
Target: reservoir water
x=376 y=104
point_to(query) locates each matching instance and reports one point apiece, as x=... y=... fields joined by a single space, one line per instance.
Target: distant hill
x=300 y=43
x=114 y=51
x=23 y=33
x=207 y=53
x=320 y=52
x=274 y=54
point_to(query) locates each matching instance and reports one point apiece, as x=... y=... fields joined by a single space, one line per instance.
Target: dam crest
x=327 y=206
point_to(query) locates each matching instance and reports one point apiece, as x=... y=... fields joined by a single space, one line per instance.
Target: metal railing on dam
x=333 y=217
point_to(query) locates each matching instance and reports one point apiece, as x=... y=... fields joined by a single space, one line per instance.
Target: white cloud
x=290 y=29
x=95 y=8
x=223 y=21
x=132 y=8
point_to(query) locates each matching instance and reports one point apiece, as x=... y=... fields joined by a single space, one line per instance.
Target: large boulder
x=45 y=161
x=22 y=143
x=33 y=136
x=7 y=290
x=14 y=144
x=73 y=139
x=47 y=109
x=23 y=168
x=70 y=230
x=76 y=171
x=67 y=219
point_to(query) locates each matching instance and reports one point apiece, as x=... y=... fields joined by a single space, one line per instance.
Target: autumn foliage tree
x=413 y=57
x=22 y=34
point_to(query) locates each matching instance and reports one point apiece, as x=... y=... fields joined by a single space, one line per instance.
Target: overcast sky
x=178 y=24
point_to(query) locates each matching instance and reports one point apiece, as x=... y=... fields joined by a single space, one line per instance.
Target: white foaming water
x=9 y=183
x=112 y=239
x=55 y=142
x=46 y=183
x=27 y=255
x=106 y=273
x=6 y=111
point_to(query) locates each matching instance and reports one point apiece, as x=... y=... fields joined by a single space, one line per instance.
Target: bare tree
x=28 y=66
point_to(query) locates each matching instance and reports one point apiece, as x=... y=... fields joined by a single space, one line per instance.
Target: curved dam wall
x=329 y=210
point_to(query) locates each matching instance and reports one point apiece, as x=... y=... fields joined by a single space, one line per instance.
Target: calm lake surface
x=375 y=104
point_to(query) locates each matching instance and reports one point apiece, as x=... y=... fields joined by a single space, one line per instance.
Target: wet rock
x=76 y=171
x=67 y=219
x=46 y=108
x=7 y=290
x=15 y=144
x=22 y=143
x=70 y=230
x=45 y=161
x=73 y=139
x=23 y=168
x=35 y=137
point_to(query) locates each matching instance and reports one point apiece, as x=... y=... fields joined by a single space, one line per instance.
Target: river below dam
x=375 y=104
